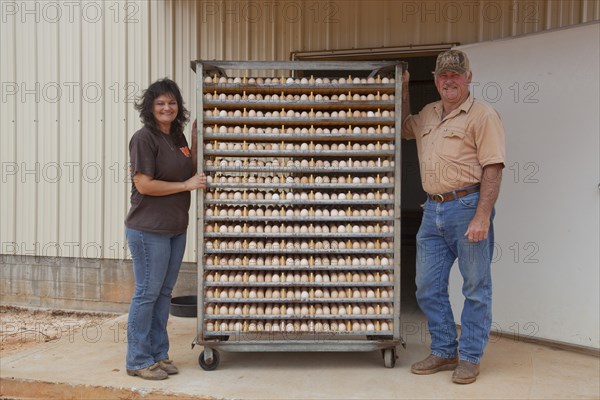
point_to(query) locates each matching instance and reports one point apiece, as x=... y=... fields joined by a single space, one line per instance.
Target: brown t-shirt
x=454 y=150
x=155 y=155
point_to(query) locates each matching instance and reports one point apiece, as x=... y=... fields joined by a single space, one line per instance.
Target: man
x=460 y=143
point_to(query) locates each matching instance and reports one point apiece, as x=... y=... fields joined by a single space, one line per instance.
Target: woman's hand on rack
x=198 y=181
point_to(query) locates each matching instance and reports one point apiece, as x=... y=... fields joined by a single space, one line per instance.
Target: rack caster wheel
x=209 y=364
x=389 y=357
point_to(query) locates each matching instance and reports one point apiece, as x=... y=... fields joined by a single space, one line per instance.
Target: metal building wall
x=270 y=30
x=69 y=71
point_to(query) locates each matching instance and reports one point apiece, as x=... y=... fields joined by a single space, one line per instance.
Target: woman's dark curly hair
x=145 y=104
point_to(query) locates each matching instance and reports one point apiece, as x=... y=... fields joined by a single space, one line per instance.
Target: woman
x=163 y=172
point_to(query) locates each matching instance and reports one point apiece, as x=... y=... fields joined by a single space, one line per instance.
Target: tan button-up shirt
x=453 y=150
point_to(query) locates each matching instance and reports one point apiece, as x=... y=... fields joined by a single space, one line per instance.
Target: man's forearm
x=490 y=188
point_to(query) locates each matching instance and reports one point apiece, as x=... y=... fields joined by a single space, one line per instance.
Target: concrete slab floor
x=94 y=356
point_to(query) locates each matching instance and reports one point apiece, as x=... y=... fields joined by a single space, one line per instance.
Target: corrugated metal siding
x=93 y=56
x=65 y=188
x=271 y=30
x=75 y=68
x=47 y=138
x=26 y=135
x=8 y=129
x=69 y=66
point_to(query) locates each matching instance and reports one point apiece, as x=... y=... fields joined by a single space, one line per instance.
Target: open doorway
x=422 y=91
x=421 y=63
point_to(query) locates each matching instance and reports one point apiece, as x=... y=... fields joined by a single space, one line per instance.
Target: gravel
x=22 y=328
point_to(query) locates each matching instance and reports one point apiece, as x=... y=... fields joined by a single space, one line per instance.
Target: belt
x=454 y=194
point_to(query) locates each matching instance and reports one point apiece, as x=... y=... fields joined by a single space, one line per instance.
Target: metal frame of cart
x=296 y=341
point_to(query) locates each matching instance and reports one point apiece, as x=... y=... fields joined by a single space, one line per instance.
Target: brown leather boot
x=466 y=372
x=168 y=366
x=153 y=373
x=433 y=364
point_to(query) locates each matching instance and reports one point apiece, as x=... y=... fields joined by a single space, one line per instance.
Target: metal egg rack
x=299 y=228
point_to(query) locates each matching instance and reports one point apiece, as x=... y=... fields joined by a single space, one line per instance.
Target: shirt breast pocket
x=453 y=143
x=424 y=135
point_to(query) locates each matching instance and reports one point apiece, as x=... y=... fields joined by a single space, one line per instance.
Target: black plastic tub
x=184 y=306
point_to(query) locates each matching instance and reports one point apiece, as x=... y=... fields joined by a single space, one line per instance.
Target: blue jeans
x=156 y=261
x=440 y=241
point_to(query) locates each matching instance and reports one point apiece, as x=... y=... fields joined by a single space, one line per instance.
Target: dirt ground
x=23 y=328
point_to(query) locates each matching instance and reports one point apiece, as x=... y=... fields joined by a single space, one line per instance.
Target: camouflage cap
x=452 y=60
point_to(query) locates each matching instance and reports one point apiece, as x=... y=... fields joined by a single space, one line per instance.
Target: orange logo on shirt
x=186 y=151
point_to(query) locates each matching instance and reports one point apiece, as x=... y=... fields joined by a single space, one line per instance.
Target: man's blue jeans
x=440 y=241
x=156 y=261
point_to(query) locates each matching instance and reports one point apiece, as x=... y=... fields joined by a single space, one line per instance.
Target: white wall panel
x=74 y=70
x=545 y=264
x=116 y=84
x=93 y=53
x=27 y=188
x=162 y=60
x=48 y=136
x=69 y=139
x=8 y=157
